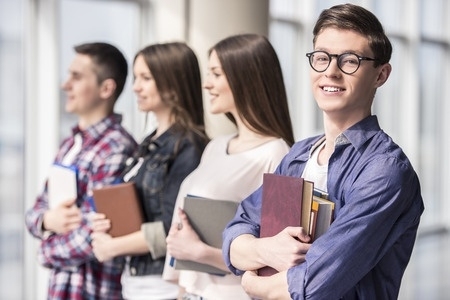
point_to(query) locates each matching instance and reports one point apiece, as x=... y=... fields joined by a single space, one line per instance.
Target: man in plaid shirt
x=98 y=148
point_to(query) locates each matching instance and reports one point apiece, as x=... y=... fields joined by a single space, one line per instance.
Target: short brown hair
x=108 y=61
x=356 y=18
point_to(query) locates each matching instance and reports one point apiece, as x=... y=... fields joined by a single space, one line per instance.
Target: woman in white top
x=245 y=82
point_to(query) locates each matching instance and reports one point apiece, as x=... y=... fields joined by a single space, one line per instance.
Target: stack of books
x=293 y=201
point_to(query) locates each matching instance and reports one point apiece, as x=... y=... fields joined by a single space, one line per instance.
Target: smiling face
x=145 y=88
x=222 y=100
x=347 y=97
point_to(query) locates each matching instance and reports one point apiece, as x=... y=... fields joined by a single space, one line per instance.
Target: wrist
x=260 y=250
x=200 y=251
x=115 y=247
x=44 y=223
x=44 y=226
x=46 y=233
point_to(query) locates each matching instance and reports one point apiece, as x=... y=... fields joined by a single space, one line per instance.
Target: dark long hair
x=176 y=72
x=253 y=71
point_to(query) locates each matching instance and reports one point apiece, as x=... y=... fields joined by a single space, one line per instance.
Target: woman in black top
x=167 y=83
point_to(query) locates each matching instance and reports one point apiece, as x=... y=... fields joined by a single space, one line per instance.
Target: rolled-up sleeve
x=372 y=233
x=155 y=237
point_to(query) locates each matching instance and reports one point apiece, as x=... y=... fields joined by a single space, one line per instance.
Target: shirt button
x=133 y=271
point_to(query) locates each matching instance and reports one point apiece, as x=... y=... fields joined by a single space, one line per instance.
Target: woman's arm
x=184 y=243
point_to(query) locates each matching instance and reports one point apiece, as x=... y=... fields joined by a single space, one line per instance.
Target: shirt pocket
x=155 y=172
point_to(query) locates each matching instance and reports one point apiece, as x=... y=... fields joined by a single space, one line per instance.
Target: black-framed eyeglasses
x=347 y=62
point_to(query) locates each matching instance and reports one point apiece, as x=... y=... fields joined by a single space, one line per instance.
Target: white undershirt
x=315 y=172
x=74 y=150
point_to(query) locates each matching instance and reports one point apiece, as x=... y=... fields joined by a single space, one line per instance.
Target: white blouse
x=224 y=176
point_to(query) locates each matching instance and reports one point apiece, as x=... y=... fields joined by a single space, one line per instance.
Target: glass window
x=285 y=8
x=387 y=102
x=431 y=133
x=11 y=148
x=323 y=4
x=283 y=36
x=433 y=14
x=391 y=14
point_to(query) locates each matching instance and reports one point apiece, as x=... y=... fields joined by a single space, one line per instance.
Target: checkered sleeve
x=104 y=167
x=66 y=250
x=34 y=215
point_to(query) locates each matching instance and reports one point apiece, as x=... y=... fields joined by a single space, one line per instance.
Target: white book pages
x=62 y=184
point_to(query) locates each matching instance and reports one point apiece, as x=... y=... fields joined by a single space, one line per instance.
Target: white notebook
x=62 y=184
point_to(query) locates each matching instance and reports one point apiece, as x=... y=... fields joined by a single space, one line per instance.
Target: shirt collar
x=150 y=144
x=359 y=133
x=99 y=128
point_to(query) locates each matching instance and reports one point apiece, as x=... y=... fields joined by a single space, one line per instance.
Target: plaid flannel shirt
x=74 y=271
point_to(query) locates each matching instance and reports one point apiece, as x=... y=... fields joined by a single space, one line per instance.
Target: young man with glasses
x=376 y=191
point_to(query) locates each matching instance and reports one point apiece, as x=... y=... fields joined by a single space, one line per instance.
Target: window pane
x=11 y=149
x=324 y=4
x=391 y=14
x=431 y=91
x=283 y=36
x=285 y=8
x=388 y=97
x=432 y=14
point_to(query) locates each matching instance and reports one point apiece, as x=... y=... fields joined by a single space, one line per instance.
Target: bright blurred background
x=36 y=46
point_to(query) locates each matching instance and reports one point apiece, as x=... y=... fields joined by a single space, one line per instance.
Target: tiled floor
x=427 y=276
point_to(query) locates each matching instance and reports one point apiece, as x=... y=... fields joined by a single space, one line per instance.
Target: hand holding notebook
x=61 y=185
x=120 y=203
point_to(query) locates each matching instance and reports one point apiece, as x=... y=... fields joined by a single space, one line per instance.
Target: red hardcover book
x=281 y=207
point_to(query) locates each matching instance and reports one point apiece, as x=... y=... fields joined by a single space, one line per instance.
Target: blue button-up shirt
x=378 y=205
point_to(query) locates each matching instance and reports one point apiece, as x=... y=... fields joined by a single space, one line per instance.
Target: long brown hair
x=254 y=74
x=176 y=72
